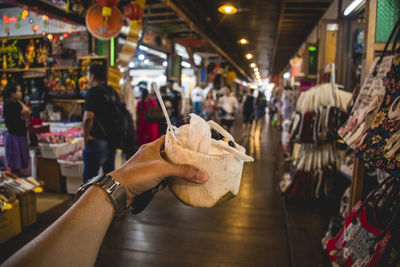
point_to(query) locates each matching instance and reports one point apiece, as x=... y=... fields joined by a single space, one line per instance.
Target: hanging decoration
x=135 y=27
x=104 y=22
x=133 y=11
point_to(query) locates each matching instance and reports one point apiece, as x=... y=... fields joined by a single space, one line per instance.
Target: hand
x=147 y=168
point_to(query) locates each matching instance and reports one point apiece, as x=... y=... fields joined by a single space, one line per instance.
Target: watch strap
x=114 y=189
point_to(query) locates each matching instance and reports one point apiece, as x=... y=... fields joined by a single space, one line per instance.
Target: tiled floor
x=257 y=228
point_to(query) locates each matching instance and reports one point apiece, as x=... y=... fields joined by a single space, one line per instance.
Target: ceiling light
x=165 y=63
x=353 y=5
x=243 y=41
x=141 y=57
x=253 y=65
x=131 y=65
x=255 y=69
x=249 y=56
x=286 y=75
x=146 y=61
x=227 y=9
x=185 y=64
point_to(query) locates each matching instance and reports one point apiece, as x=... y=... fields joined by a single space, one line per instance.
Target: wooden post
x=357 y=185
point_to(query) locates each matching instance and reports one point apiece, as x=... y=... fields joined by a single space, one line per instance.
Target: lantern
x=133 y=11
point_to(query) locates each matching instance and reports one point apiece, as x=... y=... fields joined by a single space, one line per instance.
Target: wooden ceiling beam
x=168 y=21
x=177 y=9
x=161 y=14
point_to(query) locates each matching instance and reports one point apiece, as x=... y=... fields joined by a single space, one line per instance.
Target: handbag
x=360 y=242
x=370 y=98
x=153 y=114
x=380 y=148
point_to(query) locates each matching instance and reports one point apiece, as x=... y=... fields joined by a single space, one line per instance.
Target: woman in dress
x=210 y=106
x=147 y=131
x=16 y=141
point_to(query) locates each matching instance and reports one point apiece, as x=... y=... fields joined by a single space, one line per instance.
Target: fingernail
x=201 y=176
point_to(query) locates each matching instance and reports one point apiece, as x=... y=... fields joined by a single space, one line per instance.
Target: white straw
x=164 y=109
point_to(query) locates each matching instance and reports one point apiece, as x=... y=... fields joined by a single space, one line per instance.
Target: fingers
x=187 y=172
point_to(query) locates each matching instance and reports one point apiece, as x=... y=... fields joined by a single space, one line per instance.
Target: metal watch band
x=114 y=189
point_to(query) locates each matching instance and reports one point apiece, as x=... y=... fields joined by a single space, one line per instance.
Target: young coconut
x=223 y=163
x=192 y=144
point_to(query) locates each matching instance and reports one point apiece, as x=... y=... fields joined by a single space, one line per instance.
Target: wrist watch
x=114 y=189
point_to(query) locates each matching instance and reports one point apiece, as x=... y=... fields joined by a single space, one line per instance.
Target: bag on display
x=370 y=99
x=363 y=239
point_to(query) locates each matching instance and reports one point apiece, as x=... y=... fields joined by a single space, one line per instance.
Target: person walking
x=197 y=100
x=16 y=141
x=147 y=131
x=210 y=106
x=259 y=113
x=176 y=98
x=228 y=105
x=248 y=111
x=98 y=124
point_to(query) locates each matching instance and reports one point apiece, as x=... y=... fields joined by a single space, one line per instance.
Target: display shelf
x=72 y=101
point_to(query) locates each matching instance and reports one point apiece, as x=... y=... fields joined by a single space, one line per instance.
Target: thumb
x=187 y=172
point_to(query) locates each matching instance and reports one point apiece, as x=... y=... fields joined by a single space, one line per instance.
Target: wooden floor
x=257 y=228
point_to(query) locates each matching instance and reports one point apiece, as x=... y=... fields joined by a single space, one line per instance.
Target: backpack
x=122 y=133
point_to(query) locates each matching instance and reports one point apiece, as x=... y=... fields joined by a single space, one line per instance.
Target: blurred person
x=162 y=125
x=210 y=106
x=197 y=100
x=176 y=98
x=98 y=123
x=16 y=141
x=76 y=237
x=228 y=105
x=259 y=112
x=248 y=111
x=147 y=131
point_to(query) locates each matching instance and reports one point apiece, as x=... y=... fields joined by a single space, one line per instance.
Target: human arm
x=25 y=109
x=88 y=118
x=75 y=238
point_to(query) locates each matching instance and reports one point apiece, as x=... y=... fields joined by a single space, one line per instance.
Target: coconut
x=223 y=163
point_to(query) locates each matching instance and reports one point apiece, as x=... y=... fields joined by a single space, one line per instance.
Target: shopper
x=228 y=105
x=259 y=113
x=147 y=131
x=210 y=106
x=16 y=142
x=248 y=111
x=176 y=99
x=75 y=238
x=162 y=124
x=197 y=100
x=98 y=121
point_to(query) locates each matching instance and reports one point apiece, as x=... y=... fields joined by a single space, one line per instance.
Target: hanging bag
x=370 y=98
x=381 y=146
x=360 y=242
